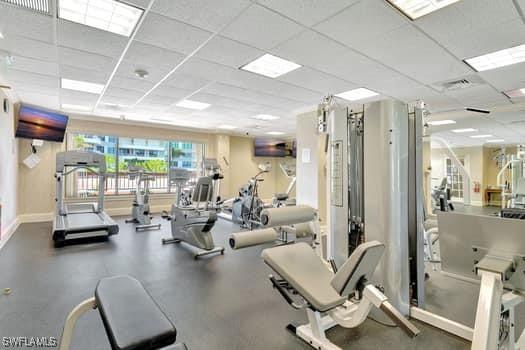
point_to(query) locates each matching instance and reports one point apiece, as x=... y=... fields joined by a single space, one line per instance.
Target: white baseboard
x=8 y=232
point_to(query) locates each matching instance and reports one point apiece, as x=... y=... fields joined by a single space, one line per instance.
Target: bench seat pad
x=300 y=266
x=131 y=318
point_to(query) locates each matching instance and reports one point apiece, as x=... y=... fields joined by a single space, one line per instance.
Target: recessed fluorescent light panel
x=1 y=35
x=73 y=107
x=266 y=117
x=481 y=136
x=110 y=15
x=227 y=127
x=441 y=122
x=495 y=140
x=190 y=104
x=270 y=66
x=498 y=59
x=515 y=93
x=414 y=9
x=357 y=94
x=83 y=86
x=462 y=131
x=275 y=133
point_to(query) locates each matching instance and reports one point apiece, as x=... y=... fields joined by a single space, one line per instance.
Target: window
x=455 y=180
x=155 y=156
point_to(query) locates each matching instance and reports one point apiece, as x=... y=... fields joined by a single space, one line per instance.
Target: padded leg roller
x=251 y=238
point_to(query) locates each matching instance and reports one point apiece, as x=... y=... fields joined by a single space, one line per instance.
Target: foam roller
x=287 y=215
x=250 y=238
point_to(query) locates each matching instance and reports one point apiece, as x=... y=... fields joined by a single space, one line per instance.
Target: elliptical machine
x=192 y=224
x=140 y=211
x=247 y=208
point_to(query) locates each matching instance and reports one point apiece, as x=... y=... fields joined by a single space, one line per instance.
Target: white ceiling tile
x=156 y=100
x=316 y=80
x=21 y=22
x=131 y=96
x=78 y=97
x=149 y=55
x=170 y=34
x=20 y=46
x=139 y=3
x=85 y=60
x=362 y=22
x=34 y=66
x=506 y=78
x=310 y=49
x=228 y=52
x=307 y=12
x=428 y=64
x=28 y=79
x=139 y=85
x=173 y=93
x=85 y=38
x=75 y=73
x=185 y=81
x=42 y=99
x=261 y=28
x=477 y=95
x=206 y=70
x=466 y=38
x=211 y=15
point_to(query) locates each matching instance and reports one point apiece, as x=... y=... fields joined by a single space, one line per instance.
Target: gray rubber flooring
x=223 y=302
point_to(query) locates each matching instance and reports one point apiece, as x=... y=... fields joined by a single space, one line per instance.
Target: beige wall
x=37 y=185
x=8 y=169
x=243 y=165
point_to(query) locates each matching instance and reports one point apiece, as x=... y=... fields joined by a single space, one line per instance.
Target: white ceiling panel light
x=190 y=104
x=83 y=86
x=1 y=35
x=357 y=94
x=414 y=9
x=481 y=136
x=266 y=117
x=110 y=15
x=72 y=107
x=497 y=59
x=462 y=131
x=275 y=133
x=515 y=93
x=227 y=127
x=495 y=140
x=441 y=122
x=270 y=66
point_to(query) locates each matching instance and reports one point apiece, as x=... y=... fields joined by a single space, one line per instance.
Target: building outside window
x=155 y=156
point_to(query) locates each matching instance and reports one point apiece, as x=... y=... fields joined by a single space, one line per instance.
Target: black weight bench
x=132 y=319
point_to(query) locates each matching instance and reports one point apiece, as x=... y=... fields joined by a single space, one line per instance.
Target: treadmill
x=81 y=222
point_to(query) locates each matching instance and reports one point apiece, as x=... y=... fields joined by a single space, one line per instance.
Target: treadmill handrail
x=86 y=167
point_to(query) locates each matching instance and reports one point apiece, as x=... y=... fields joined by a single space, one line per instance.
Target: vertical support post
x=386 y=188
x=338 y=186
x=415 y=207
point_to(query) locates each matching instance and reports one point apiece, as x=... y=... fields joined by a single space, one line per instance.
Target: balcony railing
x=86 y=184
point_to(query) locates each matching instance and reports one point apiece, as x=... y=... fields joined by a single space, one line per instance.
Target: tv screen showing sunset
x=35 y=123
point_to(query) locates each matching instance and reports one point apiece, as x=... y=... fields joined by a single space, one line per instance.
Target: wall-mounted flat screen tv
x=40 y=124
x=266 y=147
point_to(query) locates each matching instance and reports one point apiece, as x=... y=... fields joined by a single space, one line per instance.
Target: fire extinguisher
x=477 y=187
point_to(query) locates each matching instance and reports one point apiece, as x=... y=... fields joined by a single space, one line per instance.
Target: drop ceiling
x=192 y=49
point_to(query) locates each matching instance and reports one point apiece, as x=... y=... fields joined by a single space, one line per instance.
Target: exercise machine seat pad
x=131 y=317
x=180 y=346
x=281 y=196
x=304 y=270
x=360 y=265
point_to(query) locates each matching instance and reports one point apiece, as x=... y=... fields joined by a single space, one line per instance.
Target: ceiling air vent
x=41 y=6
x=457 y=84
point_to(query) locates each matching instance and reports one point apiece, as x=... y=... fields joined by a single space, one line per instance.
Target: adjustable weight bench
x=325 y=295
x=132 y=319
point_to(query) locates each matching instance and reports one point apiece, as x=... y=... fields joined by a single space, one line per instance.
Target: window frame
x=170 y=143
